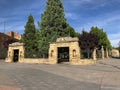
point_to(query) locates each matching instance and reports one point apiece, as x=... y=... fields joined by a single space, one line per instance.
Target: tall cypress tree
x=29 y=37
x=53 y=24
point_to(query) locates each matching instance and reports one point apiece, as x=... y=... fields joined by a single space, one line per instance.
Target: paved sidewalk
x=2 y=87
x=105 y=75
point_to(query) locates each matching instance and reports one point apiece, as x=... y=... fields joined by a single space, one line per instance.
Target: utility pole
x=4 y=27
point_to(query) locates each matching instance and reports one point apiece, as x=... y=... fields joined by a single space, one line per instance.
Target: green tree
x=29 y=37
x=53 y=25
x=103 y=39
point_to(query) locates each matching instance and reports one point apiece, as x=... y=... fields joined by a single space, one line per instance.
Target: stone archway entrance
x=63 y=54
x=15 y=52
x=65 y=49
x=16 y=55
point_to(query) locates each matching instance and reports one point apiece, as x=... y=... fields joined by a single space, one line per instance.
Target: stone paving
x=105 y=75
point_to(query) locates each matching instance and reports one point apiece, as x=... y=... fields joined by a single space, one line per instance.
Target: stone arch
x=15 y=52
x=65 y=44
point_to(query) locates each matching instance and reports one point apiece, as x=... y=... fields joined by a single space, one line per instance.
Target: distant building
x=115 y=53
x=14 y=35
x=5 y=40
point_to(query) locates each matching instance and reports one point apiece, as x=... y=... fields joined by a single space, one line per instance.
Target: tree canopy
x=103 y=38
x=29 y=37
x=88 y=41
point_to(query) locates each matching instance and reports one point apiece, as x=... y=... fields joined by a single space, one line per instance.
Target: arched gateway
x=65 y=49
x=15 y=52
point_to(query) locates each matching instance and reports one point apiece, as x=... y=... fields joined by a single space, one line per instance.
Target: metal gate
x=63 y=54
x=16 y=55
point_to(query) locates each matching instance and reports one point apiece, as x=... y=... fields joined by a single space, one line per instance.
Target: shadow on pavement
x=116 y=57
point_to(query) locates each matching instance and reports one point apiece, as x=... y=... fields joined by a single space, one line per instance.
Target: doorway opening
x=63 y=54
x=16 y=55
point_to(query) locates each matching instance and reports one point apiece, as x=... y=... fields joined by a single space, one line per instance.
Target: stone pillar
x=107 y=53
x=74 y=52
x=94 y=54
x=9 y=55
x=53 y=54
x=102 y=49
x=21 y=54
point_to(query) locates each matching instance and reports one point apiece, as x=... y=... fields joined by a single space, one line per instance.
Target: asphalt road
x=105 y=75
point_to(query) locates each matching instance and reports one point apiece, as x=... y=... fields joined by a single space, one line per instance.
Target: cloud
x=114 y=38
x=71 y=16
x=72 y=5
x=80 y=2
x=102 y=20
x=115 y=42
x=2 y=20
x=16 y=27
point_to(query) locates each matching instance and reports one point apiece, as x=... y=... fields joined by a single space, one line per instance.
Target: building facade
x=14 y=35
x=5 y=40
x=115 y=53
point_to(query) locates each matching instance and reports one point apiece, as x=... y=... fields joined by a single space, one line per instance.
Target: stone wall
x=47 y=61
x=37 y=60
x=71 y=43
